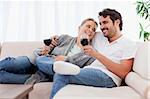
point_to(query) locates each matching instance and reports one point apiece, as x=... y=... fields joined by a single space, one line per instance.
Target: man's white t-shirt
x=118 y=50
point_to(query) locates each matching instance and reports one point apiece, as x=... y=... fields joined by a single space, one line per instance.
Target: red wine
x=84 y=42
x=47 y=42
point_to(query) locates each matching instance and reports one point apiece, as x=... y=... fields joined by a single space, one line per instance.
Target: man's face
x=107 y=26
x=89 y=27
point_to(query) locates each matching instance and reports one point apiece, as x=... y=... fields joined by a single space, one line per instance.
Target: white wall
x=36 y=20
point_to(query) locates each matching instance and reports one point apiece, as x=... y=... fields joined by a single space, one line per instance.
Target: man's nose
x=101 y=26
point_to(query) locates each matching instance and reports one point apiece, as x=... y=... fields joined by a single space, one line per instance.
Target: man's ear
x=118 y=21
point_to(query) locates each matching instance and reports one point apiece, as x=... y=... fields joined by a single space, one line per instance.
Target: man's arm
x=121 y=69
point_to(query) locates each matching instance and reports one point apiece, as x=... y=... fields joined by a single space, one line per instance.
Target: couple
x=114 y=56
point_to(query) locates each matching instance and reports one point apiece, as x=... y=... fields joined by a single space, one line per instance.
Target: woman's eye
x=94 y=30
x=88 y=26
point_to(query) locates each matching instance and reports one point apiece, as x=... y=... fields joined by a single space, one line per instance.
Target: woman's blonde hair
x=89 y=19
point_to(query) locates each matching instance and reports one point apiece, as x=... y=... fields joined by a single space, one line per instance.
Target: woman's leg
x=44 y=72
x=11 y=78
x=45 y=64
x=19 y=65
x=87 y=76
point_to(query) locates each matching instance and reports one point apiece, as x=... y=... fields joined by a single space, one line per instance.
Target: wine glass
x=84 y=39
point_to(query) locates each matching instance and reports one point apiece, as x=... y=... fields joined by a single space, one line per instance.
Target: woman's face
x=89 y=28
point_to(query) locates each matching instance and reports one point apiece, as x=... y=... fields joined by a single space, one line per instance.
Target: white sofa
x=138 y=81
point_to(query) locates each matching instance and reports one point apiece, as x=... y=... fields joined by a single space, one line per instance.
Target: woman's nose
x=91 y=29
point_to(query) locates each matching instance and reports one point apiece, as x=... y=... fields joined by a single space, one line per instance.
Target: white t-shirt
x=118 y=50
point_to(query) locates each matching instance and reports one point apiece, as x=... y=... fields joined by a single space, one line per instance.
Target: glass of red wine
x=84 y=39
x=47 y=42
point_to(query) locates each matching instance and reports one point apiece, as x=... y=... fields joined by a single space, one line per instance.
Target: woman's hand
x=45 y=50
x=54 y=42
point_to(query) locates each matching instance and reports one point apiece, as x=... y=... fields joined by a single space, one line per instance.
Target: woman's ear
x=79 y=27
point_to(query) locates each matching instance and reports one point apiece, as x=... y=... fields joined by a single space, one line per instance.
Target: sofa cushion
x=137 y=83
x=19 y=48
x=141 y=63
x=41 y=91
x=87 y=92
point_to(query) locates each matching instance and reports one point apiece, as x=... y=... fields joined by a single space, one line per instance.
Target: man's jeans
x=15 y=70
x=87 y=76
x=45 y=64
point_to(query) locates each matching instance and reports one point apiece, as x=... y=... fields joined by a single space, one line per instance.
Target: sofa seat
x=137 y=81
x=86 y=92
x=41 y=90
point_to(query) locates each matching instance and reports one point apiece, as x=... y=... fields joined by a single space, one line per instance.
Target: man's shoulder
x=99 y=40
x=99 y=37
x=128 y=45
x=126 y=41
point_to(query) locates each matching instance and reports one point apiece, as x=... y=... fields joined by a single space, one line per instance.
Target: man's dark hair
x=114 y=15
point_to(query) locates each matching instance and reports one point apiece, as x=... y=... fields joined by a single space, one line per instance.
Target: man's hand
x=60 y=58
x=120 y=69
x=89 y=50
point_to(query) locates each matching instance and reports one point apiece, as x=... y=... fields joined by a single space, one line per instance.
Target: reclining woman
x=66 y=48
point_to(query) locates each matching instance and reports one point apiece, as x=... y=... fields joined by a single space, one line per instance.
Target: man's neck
x=115 y=37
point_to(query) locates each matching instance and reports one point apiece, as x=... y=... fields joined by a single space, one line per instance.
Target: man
x=114 y=58
x=18 y=70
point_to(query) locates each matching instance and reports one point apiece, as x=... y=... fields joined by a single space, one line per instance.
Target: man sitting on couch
x=113 y=62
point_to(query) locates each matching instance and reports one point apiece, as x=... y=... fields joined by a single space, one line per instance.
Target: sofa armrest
x=147 y=95
x=138 y=83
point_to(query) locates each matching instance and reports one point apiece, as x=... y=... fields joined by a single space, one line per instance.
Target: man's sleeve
x=129 y=51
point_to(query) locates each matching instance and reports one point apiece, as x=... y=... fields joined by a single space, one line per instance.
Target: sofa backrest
x=19 y=48
x=139 y=78
x=141 y=62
